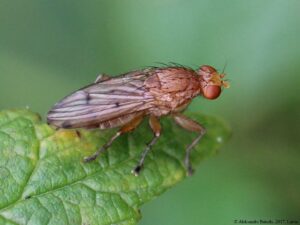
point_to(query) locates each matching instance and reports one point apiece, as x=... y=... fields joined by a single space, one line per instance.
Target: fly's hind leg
x=193 y=126
x=125 y=129
x=156 y=128
x=101 y=77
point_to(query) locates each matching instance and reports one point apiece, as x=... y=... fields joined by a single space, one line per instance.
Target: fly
x=123 y=101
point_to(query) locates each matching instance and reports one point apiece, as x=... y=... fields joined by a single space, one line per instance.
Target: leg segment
x=101 y=77
x=126 y=128
x=156 y=128
x=193 y=126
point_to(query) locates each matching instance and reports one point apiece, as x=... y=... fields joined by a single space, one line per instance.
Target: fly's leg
x=101 y=77
x=102 y=149
x=156 y=128
x=193 y=126
x=125 y=129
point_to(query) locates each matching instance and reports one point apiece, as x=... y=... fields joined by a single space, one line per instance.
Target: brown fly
x=123 y=101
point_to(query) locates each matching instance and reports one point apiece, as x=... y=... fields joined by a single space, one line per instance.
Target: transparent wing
x=103 y=101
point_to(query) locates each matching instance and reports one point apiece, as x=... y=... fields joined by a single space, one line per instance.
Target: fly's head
x=211 y=82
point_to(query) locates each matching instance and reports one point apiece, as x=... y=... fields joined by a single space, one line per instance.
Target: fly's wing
x=117 y=98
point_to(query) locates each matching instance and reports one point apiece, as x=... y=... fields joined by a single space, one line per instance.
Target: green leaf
x=44 y=181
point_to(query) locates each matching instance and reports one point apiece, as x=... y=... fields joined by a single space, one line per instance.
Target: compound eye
x=212 y=91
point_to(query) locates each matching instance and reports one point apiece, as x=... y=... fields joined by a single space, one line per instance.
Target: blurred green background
x=50 y=48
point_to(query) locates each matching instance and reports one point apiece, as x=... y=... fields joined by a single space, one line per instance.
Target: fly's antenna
x=225 y=83
x=224 y=67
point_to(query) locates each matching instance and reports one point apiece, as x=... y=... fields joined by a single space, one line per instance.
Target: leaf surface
x=44 y=181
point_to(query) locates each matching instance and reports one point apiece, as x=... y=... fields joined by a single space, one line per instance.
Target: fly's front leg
x=193 y=126
x=156 y=128
x=125 y=129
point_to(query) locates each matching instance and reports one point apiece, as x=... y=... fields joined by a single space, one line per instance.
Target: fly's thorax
x=172 y=88
x=173 y=80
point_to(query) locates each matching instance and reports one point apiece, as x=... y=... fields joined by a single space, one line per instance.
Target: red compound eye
x=211 y=91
